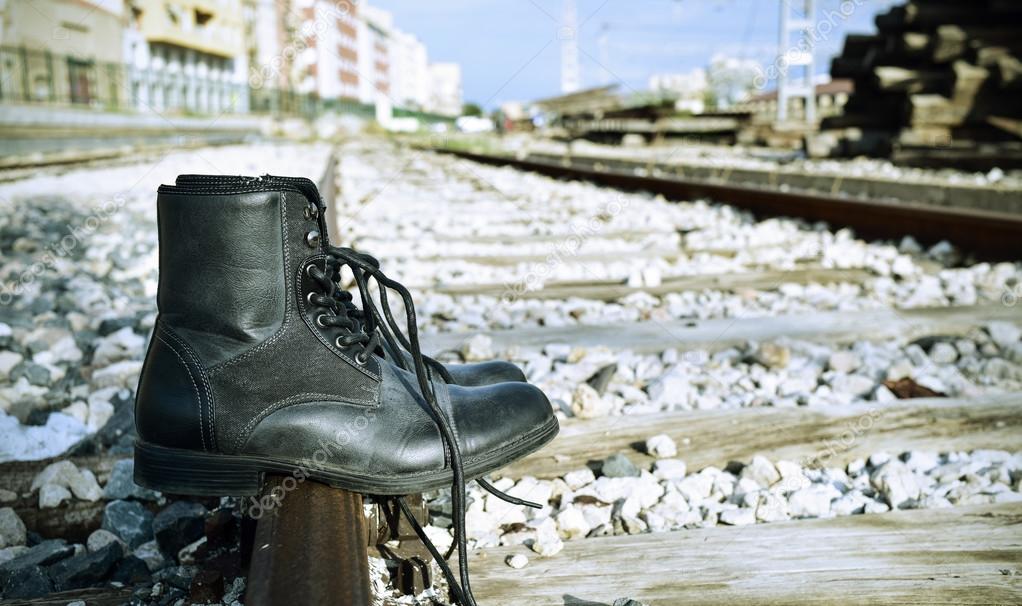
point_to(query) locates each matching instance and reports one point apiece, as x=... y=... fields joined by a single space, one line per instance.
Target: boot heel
x=176 y=471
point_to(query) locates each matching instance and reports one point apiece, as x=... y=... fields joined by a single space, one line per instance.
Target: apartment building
x=217 y=56
x=326 y=48
x=187 y=55
x=61 y=51
x=445 y=82
x=409 y=71
x=374 y=61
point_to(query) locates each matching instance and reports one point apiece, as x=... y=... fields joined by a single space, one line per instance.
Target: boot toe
x=486 y=373
x=512 y=419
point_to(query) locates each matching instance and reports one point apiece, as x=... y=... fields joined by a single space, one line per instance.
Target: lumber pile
x=939 y=84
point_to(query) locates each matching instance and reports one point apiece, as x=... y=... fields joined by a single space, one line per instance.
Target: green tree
x=471 y=109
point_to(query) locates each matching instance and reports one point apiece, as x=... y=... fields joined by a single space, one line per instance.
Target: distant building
x=187 y=56
x=830 y=99
x=409 y=71
x=326 y=48
x=65 y=51
x=374 y=59
x=731 y=80
x=689 y=88
x=217 y=56
x=446 y=95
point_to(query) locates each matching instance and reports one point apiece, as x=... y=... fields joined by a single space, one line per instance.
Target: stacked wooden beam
x=940 y=83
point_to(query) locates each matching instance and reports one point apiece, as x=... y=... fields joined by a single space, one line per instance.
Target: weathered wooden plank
x=944 y=556
x=618 y=234
x=611 y=290
x=553 y=253
x=96 y=596
x=715 y=334
x=828 y=435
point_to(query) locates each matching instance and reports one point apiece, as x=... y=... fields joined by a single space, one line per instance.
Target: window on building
x=202 y=17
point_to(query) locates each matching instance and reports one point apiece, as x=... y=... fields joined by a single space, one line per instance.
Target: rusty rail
x=987 y=234
x=310 y=549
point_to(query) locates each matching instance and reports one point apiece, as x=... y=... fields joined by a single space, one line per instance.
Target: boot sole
x=187 y=472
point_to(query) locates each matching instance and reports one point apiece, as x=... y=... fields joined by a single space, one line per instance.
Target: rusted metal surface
x=310 y=548
x=395 y=541
x=987 y=234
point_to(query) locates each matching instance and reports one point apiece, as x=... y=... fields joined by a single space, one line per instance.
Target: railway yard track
x=753 y=409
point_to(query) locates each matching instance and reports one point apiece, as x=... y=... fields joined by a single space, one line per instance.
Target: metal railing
x=41 y=77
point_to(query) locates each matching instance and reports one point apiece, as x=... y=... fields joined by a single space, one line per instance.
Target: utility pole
x=569 y=49
x=604 y=55
x=795 y=58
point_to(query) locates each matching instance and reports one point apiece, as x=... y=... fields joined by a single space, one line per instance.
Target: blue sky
x=509 y=50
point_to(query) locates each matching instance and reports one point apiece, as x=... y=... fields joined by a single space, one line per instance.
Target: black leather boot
x=470 y=375
x=253 y=366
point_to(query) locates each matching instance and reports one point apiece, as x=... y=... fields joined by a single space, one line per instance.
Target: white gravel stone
x=548 y=542
x=943 y=353
x=517 y=561
x=586 y=403
x=1004 y=334
x=761 y=471
x=150 y=554
x=844 y=361
x=812 y=501
x=12 y=529
x=572 y=523
x=52 y=495
x=100 y=412
x=477 y=348
x=8 y=360
x=85 y=487
x=118 y=374
x=896 y=482
x=738 y=517
x=100 y=538
x=661 y=446
x=60 y=473
x=669 y=469
x=579 y=478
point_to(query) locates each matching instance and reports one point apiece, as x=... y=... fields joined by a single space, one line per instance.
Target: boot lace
x=376 y=322
x=364 y=327
x=337 y=315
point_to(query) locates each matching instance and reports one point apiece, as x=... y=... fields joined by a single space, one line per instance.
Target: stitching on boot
x=301 y=398
x=202 y=379
x=287 y=300
x=195 y=388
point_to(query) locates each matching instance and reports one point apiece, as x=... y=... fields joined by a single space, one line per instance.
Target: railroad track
x=987 y=233
x=314 y=543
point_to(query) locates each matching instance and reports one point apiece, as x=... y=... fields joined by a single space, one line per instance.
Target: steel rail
x=989 y=235
x=310 y=548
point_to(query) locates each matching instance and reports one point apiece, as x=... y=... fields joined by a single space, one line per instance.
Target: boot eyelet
x=308 y=298
x=311 y=212
x=312 y=238
x=319 y=320
x=338 y=344
x=308 y=270
x=361 y=359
